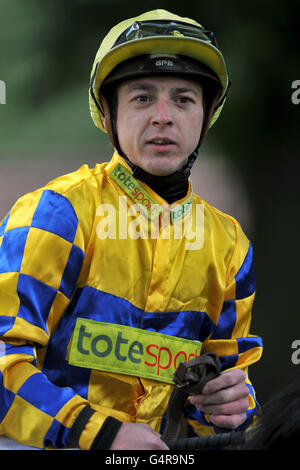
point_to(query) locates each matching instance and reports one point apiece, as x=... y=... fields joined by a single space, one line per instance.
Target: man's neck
x=171 y=187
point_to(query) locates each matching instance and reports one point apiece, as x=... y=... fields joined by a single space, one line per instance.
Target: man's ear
x=105 y=123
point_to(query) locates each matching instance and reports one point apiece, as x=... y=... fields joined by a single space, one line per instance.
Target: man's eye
x=183 y=99
x=143 y=98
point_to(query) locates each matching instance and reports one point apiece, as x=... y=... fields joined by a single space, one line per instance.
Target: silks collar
x=142 y=194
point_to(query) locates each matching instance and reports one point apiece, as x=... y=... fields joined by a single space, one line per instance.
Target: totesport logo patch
x=139 y=194
x=135 y=190
x=127 y=350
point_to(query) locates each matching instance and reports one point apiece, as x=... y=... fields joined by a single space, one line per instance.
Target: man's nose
x=162 y=113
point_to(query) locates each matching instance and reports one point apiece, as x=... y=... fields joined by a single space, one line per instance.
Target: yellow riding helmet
x=155 y=32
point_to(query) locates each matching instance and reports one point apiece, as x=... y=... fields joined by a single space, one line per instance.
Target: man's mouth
x=161 y=141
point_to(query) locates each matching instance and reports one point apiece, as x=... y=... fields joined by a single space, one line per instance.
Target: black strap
x=189 y=378
x=106 y=435
x=79 y=425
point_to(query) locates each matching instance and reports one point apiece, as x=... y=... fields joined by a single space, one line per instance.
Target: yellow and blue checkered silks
x=55 y=269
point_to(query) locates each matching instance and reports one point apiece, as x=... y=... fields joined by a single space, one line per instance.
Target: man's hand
x=224 y=399
x=137 y=436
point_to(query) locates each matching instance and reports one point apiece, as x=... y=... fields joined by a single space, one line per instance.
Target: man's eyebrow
x=185 y=89
x=141 y=86
x=145 y=86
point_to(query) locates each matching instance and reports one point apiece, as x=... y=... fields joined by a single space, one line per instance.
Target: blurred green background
x=248 y=166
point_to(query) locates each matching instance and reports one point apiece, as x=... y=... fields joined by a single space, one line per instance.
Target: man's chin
x=160 y=171
x=162 y=168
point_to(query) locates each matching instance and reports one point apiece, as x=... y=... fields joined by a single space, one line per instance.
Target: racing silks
x=104 y=289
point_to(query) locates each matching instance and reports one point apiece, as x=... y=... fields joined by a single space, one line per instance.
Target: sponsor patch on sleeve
x=127 y=350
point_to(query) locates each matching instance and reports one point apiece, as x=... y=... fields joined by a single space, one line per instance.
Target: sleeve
x=41 y=256
x=231 y=338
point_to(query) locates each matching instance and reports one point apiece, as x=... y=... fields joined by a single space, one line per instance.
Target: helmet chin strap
x=186 y=170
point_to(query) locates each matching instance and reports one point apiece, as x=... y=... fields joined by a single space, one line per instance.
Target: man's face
x=159 y=121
